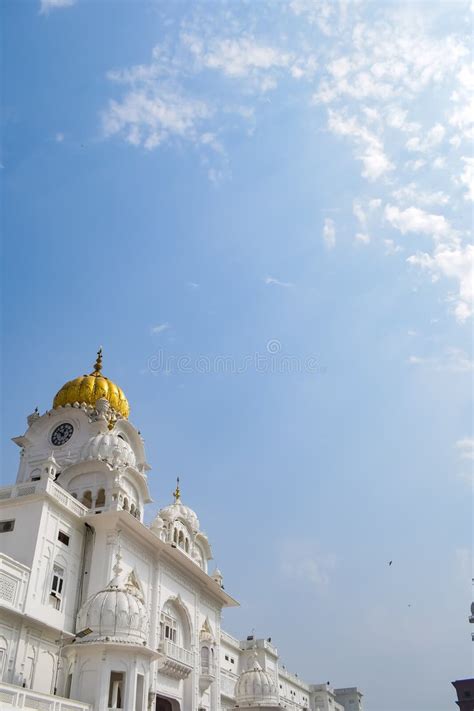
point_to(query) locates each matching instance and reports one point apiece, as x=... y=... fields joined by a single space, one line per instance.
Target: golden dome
x=90 y=388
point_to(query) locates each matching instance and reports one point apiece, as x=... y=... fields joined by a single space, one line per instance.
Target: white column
x=130 y=686
x=103 y=682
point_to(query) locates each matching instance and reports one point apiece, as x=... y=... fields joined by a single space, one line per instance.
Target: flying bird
x=390 y=562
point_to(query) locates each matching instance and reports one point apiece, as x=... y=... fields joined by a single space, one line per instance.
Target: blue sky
x=256 y=182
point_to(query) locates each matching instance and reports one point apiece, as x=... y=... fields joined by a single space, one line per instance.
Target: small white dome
x=180 y=511
x=110 y=448
x=115 y=614
x=255 y=688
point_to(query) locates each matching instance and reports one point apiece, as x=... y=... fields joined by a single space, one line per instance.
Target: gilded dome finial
x=98 y=363
x=177 y=492
x=89 y=389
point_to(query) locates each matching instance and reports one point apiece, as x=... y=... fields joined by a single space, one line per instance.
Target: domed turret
x=178 y=511
x=115 y=614
x=178 y=525
x=88 y=389
x=111 y=448
x=256 y=688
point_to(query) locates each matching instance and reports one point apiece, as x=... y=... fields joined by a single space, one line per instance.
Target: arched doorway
x=163 y=704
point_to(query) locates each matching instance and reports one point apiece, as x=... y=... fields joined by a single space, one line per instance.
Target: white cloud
x=385 y=60
x=159 y=328
x=359 y=212
x=381 y=79
x=272 y=281
x=439 y=162
x=236 y=57
x=411 y=193
x=467 y=177
x=391 y=247
x=413 y=219
x=48 y=5
x=453 y=262
x=465 y=447
x=453 y=360
x=305 y=563
x=322 y=13
x=370 y=149
x=462 y=115
x=329 y=233
x=304 y=67
x=364 y=213
x=397 y=118
x=59 y=137
x=151 y=117
x=415 y=165
x=428 y=141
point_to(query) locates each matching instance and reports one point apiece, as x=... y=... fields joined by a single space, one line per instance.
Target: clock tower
x=99 y=455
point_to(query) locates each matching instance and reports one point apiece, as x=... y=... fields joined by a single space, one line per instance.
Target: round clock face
x=62 y=434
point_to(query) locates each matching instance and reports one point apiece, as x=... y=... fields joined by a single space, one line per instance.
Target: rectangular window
x=63 y=537
x=168 y=627
x=57 y=583
x=116 y=690
x=7 y=526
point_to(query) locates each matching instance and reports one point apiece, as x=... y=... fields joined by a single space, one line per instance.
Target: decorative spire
x=98 y=363
x=177 y=492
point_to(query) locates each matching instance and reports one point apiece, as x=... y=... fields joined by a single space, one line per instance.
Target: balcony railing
x=48 y=486
x=15 y=697
x=176 y=661
x=174 y=651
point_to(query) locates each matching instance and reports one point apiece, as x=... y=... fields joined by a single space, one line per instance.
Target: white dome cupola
x=110 y=448
x=116 y=614
x=178 y=525
x=179 y=512
x=256 y=688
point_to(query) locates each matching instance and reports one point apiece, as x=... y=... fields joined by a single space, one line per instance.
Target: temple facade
x=100 y=611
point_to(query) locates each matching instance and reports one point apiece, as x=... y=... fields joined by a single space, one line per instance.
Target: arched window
x=175 y=624
x=205 y=656
x=132 y=509
x=125 y=504
x=175 y=535
x=100 y=500
x=87 y=499
x=181 y=539
x=186 y=545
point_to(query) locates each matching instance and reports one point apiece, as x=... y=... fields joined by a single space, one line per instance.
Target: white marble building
x=100 y=611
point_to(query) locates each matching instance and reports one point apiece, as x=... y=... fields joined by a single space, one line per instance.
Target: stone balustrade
x=15 y=697
x=44 y=485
